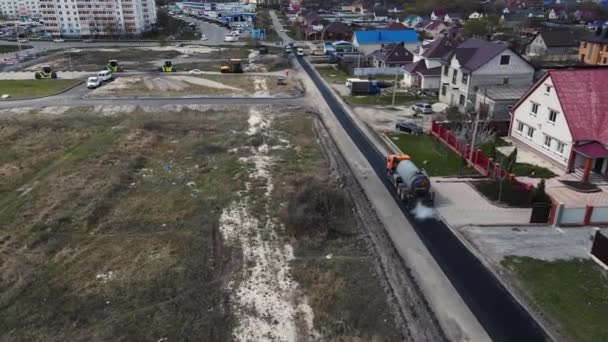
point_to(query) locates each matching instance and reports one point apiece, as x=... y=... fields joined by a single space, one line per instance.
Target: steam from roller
x=422 y=212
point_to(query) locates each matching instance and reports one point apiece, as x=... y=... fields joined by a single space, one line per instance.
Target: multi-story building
x=563 y=119
x=19 y=9
x=476 y=64
x=594 y=48
x=93 y=18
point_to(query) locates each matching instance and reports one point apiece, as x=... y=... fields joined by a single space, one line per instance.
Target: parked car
x=195 y=72
x=423 y=108
x=22 y=41
x=300 y=52
x=408 y=127
x=58 y=40
x=87 y=41
x=93 y=82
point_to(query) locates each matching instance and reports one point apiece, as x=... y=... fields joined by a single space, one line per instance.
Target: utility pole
x=394 y=89
x=474 y=135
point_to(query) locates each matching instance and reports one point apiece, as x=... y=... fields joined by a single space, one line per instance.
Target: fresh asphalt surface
x=499 y=313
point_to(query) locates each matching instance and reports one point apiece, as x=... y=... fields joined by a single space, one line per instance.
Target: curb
x=514 y=291
x=41 y=97
x=85 y=97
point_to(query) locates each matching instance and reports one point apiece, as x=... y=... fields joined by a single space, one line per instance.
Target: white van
x=105 y=76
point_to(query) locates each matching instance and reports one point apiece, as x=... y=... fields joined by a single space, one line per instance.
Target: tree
x=475 y=27
x=512 y=160
x=539 y=195
x=507 y=164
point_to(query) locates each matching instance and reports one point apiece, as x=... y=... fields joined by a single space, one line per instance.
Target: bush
x=512 y=196
x=317 y=210
x=539 y=195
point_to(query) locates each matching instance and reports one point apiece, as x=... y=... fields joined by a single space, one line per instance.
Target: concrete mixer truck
x=412 y=184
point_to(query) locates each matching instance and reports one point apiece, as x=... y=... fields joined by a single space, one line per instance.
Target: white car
x=423 y=108
x=59 y=40
x=203 y=37
x=93 y=82
x=231 y=39
x=22 y=41
x=300 y=52
x=195 y=72
x=105 y=76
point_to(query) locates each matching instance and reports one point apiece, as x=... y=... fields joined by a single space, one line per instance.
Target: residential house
x=593 y=49
x=475 y=15
x=557 y=14
x=435 y=29
x=495 y=102
x=425 y=71
x=314 y=21
x=557 y=42
x=453 y=18
x=391 y=56
x=585 y=16
x=438 y=15
x=338 y=47
x=293 y=11
x=370 y=41
x=380 y=14
x=395 y=26
x=411 y=20
x=337 y=30
x=563 y=119
x=477 y=63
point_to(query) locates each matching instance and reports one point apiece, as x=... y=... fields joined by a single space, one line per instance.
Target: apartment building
x=92 y=18
x=19 y=9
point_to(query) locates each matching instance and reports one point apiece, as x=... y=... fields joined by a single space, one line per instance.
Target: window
x=584 y=45
x=520 y=126
x=534 y=109
x=465 y=78
x=552 y=115
x=547 y=142
x=560 y=147
x=547 y=89
x=461 y=100
x=504 y=60
x=454 y=76
x=505 y=80
x=530 y=132
x=444 y=89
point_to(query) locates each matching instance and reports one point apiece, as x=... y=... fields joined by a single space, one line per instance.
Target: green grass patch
x=13 y=48
x=384 y=99
x=519 y=169
x=510 y=196
x=529 y=170
x=19 y=89
x=333 y=75
x=573 y=293
x=432 y=155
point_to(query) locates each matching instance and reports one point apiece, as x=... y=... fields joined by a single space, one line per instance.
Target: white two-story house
x=564 y=118
x=425 y=71
x=477 y=63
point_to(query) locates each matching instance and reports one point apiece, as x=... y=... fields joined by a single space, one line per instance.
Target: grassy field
x=431 y=155
x=572 y=293
x=13 y=48
x=194 y=85
x=347 y=300
x=112 y=226
x=510 y=196
x=519 y=169
x=19 y=89
x=332 y=75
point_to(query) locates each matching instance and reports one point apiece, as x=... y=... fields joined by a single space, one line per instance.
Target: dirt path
x=266 y=300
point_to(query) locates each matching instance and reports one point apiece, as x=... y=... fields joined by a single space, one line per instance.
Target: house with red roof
x=564 y=118
x=435 y=29
x=438 y=15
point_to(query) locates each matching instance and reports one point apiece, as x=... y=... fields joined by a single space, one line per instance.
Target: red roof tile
x=583 y=95
x=592 y=150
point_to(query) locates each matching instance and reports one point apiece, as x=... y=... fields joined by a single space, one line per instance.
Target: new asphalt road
x=499 y=313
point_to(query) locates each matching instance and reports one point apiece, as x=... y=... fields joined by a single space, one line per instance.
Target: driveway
x=459 y=204
x=279 y=27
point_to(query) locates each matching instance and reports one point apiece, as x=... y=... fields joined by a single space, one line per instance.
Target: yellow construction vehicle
x=233 y=66
x=45 y=72
x=167 y=67
x=113 y=66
